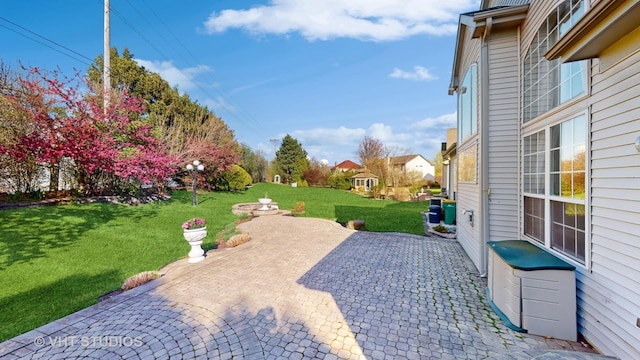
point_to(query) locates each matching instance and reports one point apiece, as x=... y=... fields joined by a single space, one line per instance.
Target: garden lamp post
x=195 y=167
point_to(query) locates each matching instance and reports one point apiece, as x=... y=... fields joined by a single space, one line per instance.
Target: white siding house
x=549 y=147
x=412 y=163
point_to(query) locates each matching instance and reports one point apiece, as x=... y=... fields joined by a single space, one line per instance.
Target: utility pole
x=275 y=143
x=106 y=66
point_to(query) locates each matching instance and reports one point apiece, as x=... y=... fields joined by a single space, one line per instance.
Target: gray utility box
x=532 y=290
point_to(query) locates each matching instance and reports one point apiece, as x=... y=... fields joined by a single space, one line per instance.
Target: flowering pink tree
x=116 y=147
x=216 y=158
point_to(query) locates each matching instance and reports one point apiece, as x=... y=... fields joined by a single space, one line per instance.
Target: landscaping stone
x=356 y=225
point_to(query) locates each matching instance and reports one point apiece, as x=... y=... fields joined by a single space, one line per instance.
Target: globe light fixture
x=195 y=167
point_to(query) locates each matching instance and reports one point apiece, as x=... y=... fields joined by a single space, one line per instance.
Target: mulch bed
x=128 y=200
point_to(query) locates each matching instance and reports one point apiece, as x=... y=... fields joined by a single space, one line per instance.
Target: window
x=534 y=184
x=560 y=187
x=534 y=163
x=548 y=84
x=468 y=105
x=567 y=181
x=468 y=164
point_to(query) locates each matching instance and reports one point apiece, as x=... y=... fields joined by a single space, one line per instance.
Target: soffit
x=501 y=17
x=607 y=22
x=476 y=22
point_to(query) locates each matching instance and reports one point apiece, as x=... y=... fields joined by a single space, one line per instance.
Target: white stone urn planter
x=194 y=237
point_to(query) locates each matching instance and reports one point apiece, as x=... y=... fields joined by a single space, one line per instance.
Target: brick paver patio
x=302 y=288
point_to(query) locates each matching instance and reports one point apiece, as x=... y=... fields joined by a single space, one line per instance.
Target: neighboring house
x=548 y=147
x=405 y=164
x=345 y=166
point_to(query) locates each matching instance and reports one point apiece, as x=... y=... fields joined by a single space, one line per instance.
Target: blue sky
x=327 y=72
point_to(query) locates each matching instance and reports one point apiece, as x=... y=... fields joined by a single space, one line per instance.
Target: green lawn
x=57 y=260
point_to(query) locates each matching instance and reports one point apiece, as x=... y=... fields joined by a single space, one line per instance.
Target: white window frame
x=470 y=91
x=469 y=152
x=548 y=198
x=547 y=91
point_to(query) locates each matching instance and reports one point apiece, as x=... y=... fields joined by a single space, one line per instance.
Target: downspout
x=520 y=112
x=484 y=147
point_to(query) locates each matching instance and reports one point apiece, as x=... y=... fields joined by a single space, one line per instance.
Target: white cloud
x=395 y=142
x=338 y=144
x=419 y=74
x=441 y=122
x=328 y=137
x=335 y=144
x=183 y=79
x=379 y=20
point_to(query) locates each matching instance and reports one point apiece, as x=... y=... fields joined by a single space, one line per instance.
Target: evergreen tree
x=291 y=159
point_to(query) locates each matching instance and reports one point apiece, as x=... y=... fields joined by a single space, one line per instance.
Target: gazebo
x=364 y=180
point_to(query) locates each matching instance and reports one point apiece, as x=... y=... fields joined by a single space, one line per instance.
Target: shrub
x=139 y=279
x=340 y=182
x=441 y=229
x=238 y=239
x=316 y=177
x=243 y=218
x=237 y=178
x=298 y=208
x=375 y=191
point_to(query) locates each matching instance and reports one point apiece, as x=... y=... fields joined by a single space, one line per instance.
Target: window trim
x=472 y=146
x=527 y=106
x=547 y=245
x=473 y=130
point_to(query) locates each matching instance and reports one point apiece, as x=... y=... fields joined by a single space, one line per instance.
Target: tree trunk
x=82 y=180
x=54 y=176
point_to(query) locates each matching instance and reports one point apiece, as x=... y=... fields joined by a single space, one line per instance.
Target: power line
x=275 y=143
x=47 y=40
x=252 y=124
x=135 y=30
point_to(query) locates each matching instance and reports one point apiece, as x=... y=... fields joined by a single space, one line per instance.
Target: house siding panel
x=600 y=315
x=609 y=295
x=607 y=311
x=503 y=128
x=467 y=195
x=469 y=234
x=471 y=53
x=608 y=285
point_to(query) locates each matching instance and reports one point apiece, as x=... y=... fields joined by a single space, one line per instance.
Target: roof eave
x=450 y=150
x=604 y=24
x=504 y=17
x=508 y=16
x=453 y=85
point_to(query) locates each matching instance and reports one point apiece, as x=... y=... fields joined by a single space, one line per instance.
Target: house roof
x=347 y=164
x=364 y=175
x=451 y=150
x=400 y=160
x=485 y=4
x=509 y=13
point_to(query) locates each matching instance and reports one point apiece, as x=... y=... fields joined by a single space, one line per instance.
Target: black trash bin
x=434 y=214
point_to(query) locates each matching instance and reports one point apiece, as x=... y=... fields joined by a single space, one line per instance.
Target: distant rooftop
x=347 y=165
